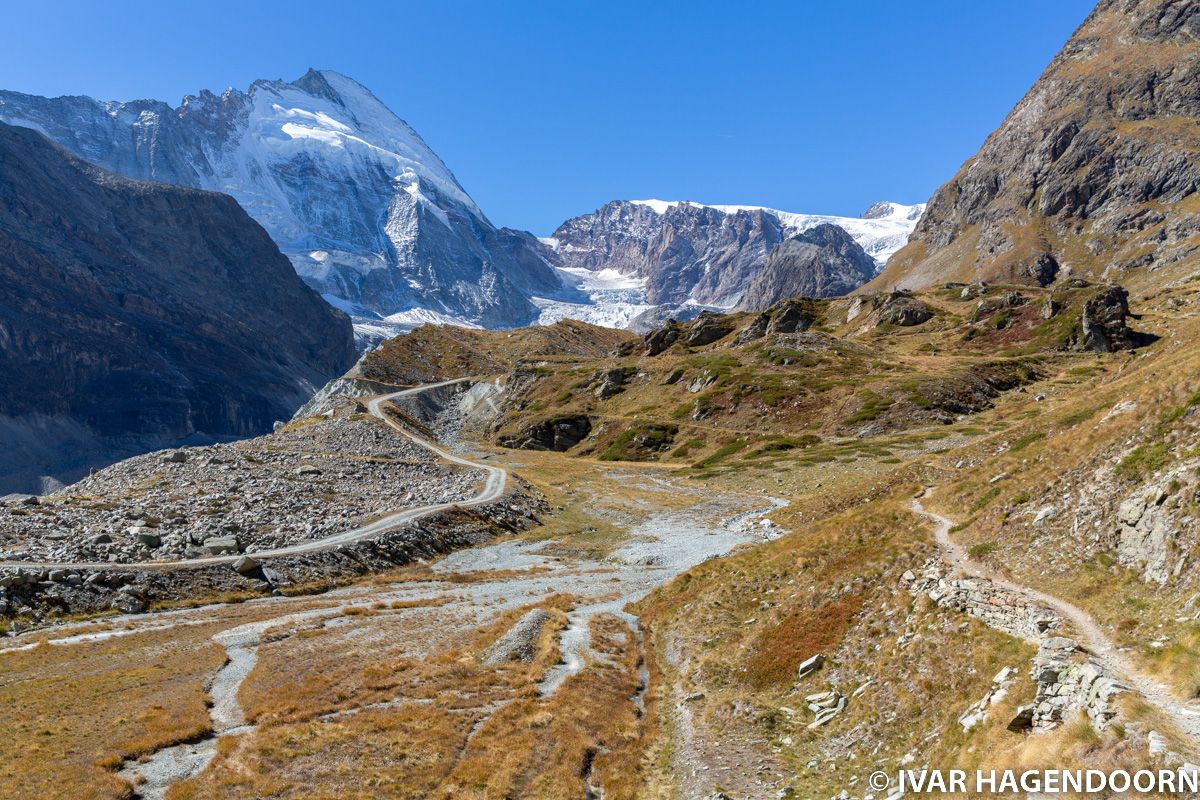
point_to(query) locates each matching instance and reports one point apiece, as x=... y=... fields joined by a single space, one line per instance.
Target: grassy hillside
x=850 y=383
x=433 y=352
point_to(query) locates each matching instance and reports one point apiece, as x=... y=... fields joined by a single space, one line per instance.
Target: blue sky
x=545 y=110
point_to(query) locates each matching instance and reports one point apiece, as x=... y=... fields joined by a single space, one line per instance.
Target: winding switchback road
x=495 y=482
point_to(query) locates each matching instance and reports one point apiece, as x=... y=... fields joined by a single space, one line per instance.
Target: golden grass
x=1072 y=448
x=586 y=733
x=451 y=726
x=76 y=712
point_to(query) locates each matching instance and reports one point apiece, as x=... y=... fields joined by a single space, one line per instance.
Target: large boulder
x=903 y=310
x=611 y=382
x=657 y=341
x=1103 y=327
x=708 y=328
x=792 y=316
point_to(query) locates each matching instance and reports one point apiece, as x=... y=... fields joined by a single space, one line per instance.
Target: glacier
x=881 y=231
x=640 y=260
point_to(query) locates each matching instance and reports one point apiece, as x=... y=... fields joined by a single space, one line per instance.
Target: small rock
x=223 y=545
x=809 y=666
x=129 y=604
x=1046 y=513
x=147 y=538
x=245 y=565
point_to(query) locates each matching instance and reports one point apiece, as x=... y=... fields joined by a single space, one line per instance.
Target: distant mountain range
x=373 y=219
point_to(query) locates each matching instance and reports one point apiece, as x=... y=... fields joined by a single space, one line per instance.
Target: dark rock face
x=687 y=252
x=363 y=208
x=1087 y=172
x=658 y=341
x=556 y=433
x=756 y=330
x=790 y=316
x=706 y=329
x=134 y=315
x=821 y=262
x=611 y=382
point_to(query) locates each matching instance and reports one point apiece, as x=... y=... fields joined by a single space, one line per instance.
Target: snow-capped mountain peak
x=340 y=112
x=362 y=206
x=687 y=256
x=881 y=230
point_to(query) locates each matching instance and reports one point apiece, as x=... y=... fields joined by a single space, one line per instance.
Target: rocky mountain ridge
x=1093 y=173
x=821 y=262
x=365 y=210
x=682 y=253
x=134 y=315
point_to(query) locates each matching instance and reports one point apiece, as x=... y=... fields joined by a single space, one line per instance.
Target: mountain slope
x=134 y=315
x=707 y=255
x=821 y=262
x=1093 y=173
x=365 y=210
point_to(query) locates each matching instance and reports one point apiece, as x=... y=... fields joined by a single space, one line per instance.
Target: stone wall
x=1066 y=677
x=997 y=607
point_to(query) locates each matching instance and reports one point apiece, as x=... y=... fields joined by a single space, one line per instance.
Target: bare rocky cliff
x=687 y=252
x=1093 y=174
x=821 y=262
x=134 y=315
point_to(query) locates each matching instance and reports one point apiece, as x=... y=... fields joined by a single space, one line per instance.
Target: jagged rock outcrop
x=901 y=309
x=610 y=382
x=706 y=329
x=1155 y=531
x=365 y=210
x=821 y=262
x=790 y=316
x=701 y=331
x=1103 y=325
x=1092 y=172
x=135 y=315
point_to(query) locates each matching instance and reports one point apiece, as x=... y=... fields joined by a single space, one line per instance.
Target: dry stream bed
x=294 y=663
